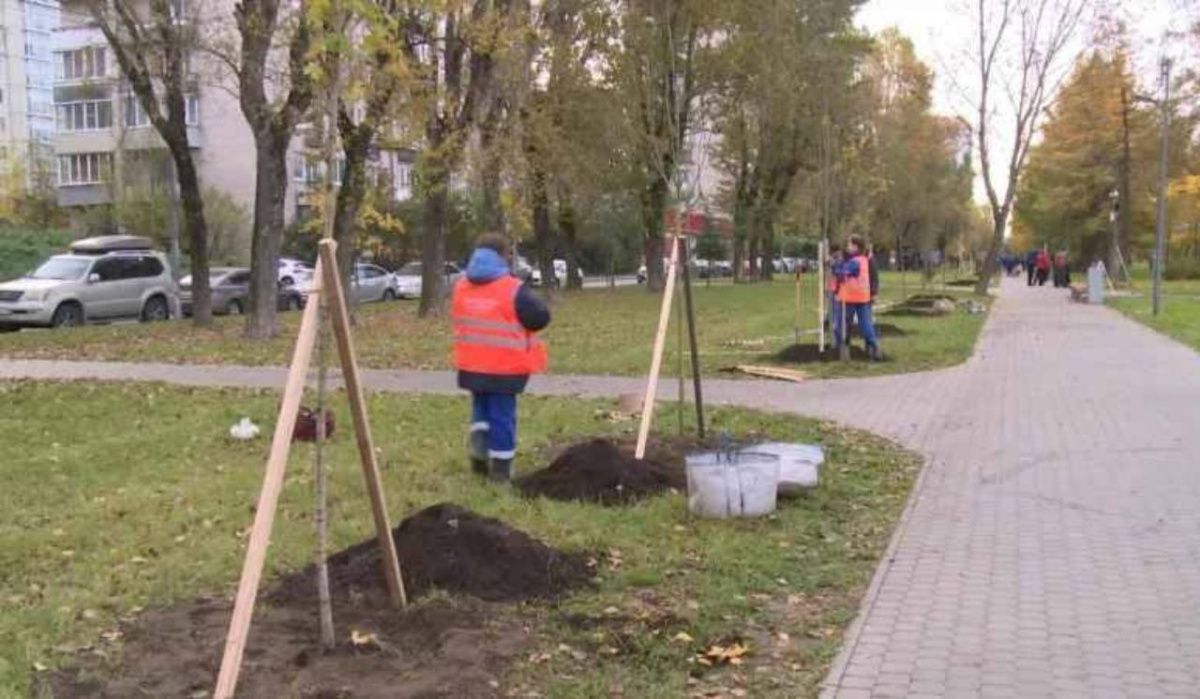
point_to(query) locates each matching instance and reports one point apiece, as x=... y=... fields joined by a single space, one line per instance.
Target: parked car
x=291 y=270
x=408 y=279
x=372 y=283
x=560 y=273
x=231 y=292
x=103 y=278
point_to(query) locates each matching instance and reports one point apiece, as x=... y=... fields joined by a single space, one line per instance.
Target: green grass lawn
x=122 y=497
x=1180 y=316
x=594 y=332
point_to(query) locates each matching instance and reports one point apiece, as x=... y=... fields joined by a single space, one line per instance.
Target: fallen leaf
x=683 y=637
x=611 y=611
x=40 y=667
x=360 y=639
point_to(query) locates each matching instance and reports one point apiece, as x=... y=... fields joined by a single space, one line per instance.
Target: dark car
x=231 y=292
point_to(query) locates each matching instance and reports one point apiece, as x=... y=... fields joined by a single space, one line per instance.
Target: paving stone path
x=1052 y=544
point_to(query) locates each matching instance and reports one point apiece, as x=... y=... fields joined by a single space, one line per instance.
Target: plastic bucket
x=739 y=484
x=799 y=464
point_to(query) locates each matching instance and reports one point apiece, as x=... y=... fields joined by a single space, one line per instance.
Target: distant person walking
x=854 y=290
x=1043 y=267
x=496 y=348
x=1030 y=267
x=834 y=261
x=1062 y=270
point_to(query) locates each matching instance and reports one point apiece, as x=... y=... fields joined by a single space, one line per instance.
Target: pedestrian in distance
x=1031 y=267
x=854 y=292
x=1043 y=267
x=496 y=319
x=1062 y=271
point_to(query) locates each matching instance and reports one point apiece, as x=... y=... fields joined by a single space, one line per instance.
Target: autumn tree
x=1017 y=55
x=274 y=99
x=152 y=46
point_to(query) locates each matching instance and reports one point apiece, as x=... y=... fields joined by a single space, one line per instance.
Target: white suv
x=105 y=278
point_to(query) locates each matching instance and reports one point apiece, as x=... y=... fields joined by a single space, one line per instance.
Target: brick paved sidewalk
x=1052 y=545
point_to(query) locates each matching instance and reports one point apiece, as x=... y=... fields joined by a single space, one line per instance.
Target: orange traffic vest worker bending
x=496 y=349
x=854 y=294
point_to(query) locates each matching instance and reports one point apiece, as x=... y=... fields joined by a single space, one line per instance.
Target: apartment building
x=27 y=84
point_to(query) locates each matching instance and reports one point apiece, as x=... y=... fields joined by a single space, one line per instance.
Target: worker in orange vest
x=854 y=290
x=496 y=348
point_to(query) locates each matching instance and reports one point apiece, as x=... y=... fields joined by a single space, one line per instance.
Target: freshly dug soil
x=451 y=548
x=441 y=648
x=811 y=354
x=606 y=473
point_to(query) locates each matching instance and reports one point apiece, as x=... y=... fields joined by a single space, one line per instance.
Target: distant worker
x=1031 y=267
x=1062 y=270
x=496 y=348
x=854 y=291
x=1043 y=267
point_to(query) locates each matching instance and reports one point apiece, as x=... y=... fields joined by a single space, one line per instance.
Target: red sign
x=694 y=223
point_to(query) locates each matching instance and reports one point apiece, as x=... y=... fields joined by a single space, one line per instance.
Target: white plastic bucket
x=740 y=484
x=799 y=464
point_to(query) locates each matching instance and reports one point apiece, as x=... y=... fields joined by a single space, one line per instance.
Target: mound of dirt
x=811 y=354
x=603 y=472
x=451 y=548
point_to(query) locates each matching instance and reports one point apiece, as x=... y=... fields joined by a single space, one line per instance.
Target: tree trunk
x=990 y=261
x=767 y=273
x=174 y=249
x=356 y=144
x=433 y=242
x=493 y=209
x=543 y=232
x=270 y=188
x=754 y=252
x=739 y=257
x=1124 y=196
x=569 y=233
x=654 y=200
x=197 y=232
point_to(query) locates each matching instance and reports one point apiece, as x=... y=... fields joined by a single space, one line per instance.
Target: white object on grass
x=735 y=484
x=799 y=464
x=244 y=430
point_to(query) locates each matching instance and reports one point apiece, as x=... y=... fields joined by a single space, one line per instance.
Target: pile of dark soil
x=440 y=649
x=451 y=548
x=604 y=472
x=811 y=354
x=436 y=648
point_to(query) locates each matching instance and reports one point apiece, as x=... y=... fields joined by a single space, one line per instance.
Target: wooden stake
x=691 y=323
x=664 y=319
x=336 y=302
x=264 y=515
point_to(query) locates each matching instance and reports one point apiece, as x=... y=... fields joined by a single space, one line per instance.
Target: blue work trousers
x=859 y=313
x=496 y=415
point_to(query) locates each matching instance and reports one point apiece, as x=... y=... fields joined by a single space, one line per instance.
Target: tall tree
x=273 y=121
x=1017 y=53
x=453 y=48
x=152 y=47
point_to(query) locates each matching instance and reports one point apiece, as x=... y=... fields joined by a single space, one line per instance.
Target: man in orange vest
x=854 y=290
x=833 y=318
x=496 y=349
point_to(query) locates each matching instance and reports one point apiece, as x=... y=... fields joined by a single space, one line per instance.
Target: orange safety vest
x=488 y=336
x=857 y=289
x=831 y=280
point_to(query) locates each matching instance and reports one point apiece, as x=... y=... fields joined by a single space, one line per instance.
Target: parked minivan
x=103 y=278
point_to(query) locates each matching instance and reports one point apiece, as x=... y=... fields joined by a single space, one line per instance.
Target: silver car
x=372 y=283
x=104 y=278
x=408 y=279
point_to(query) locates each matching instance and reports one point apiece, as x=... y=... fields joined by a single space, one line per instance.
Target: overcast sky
x=942 y=30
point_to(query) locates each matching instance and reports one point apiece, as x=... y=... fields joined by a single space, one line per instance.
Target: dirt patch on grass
x=451 y=548
x=812 y=354
x=440 y=649
x=455 y=647
x=606 y=472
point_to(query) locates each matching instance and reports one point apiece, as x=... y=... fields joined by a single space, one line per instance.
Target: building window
x=89 y=62
x=191 y=111
x=84 y=168
x=135 y=115
x=179 y=10
x=311 y=170
x=85 y=116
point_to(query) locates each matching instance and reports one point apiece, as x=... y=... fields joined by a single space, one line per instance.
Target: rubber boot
x=479 y=459
x=501 y=470
x=874 y=353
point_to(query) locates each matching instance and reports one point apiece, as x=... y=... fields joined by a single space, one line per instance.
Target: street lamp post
x=1160 y=232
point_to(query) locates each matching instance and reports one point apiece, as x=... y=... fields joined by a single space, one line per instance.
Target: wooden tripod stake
x=660 y=341
x=327 y=282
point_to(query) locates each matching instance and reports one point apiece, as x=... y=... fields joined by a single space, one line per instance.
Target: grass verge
x=594 y=332
x=123 y=497
x=1180 y=316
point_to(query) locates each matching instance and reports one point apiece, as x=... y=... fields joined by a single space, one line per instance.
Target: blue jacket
x=487 y=265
